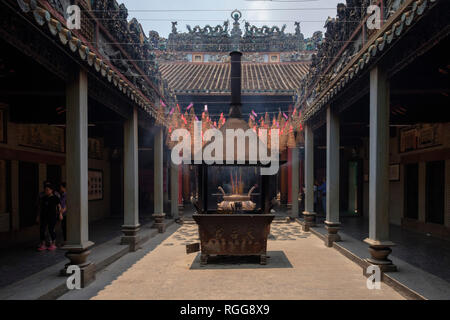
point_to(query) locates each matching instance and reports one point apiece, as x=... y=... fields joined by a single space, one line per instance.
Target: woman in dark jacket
x=49 y=212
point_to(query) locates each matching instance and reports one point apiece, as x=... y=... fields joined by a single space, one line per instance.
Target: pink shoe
x=42 y=247
x=52 y=247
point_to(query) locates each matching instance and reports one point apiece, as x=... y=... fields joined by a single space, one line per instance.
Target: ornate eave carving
x=127 y=78
x=326 y=80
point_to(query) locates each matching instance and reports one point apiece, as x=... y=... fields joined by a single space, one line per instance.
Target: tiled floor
x=299 y=267
x=425 y=252
x=20 y=262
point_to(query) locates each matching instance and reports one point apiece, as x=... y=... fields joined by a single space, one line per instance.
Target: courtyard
x=299 y=267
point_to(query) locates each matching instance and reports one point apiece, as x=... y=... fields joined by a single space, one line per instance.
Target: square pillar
x=332 y=223
x=284 y=181
x=186 y=184
x=159 y=214
x=131 y=224
x=78 y=244
x=174 y=186
x=295 y=172
x=309 y=215
x=380 y=246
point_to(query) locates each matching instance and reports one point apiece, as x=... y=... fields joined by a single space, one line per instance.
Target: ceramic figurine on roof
x=250 y=38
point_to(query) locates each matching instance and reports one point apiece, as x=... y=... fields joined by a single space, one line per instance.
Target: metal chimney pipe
x=236 y=66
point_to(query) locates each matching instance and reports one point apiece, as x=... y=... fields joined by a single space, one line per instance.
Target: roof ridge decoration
x=325 y=80
x=146 y=99
x=254 y=39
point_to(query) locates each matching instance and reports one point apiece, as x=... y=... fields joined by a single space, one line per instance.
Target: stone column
x=174 y=190
x=332 y=223
x=166 y=177
x=284 y=182
x=309 y=215
x=295 y=171
x=180 y=192
x=131 y=224
x=380 y=246
x=78 y=244
x=186 y=184
x=289 y=178
x=159 y=214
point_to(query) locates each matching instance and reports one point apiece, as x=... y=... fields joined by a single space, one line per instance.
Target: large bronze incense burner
x=233 y=207
x=234 y=234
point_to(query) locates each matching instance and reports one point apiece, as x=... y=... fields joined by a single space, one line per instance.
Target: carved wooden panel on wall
x=95 y=185
x=420 y=137
x=43 y=137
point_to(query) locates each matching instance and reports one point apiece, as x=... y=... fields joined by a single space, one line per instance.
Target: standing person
x=323 y=189
x=63 y=209
x=316 y=195
x=49 y=209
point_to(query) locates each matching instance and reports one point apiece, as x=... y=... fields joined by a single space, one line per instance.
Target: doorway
x=28 y=193
x=353 y=187
x=412 y=191
x=435 y=192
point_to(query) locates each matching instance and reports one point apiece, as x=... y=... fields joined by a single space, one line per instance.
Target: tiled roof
x=257 y=78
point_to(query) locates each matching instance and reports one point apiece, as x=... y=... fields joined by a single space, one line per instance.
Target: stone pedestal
x=309 y=220
x=78 y=256
x=332 y=236
x=159 y=222
x=130 y=236
x=263 y=259
x=379 y=252
x=204 y=259
x=181 y=214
